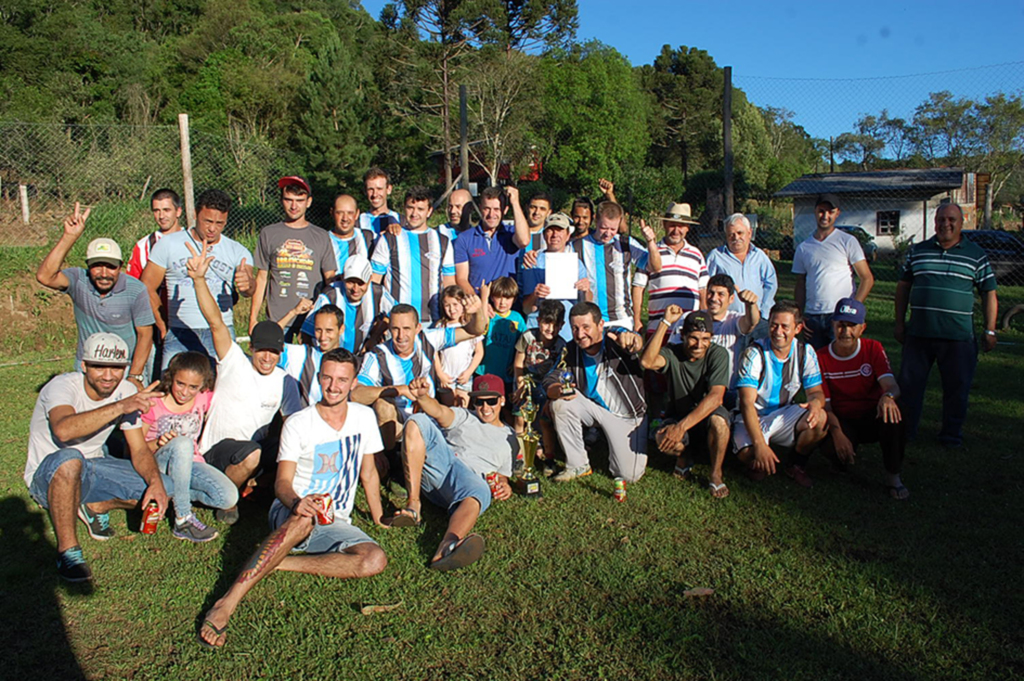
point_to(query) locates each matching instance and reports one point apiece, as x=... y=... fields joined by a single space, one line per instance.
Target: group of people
x=393 y=351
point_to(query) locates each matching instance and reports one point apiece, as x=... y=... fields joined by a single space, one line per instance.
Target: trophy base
x=528 y=487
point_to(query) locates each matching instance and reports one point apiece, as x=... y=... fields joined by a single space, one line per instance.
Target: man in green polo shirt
x=938 y=286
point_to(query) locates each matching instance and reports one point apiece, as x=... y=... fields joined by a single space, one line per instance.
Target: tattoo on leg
x=261 y=559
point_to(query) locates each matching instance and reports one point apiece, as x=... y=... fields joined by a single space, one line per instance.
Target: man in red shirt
x=861 y=396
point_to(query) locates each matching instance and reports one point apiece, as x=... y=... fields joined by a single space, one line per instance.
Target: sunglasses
x=488 y=401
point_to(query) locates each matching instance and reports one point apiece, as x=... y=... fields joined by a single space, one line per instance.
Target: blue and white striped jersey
x=301 y=364
x=608 y=269
x=383 y=367
x=376 y=223
x=359 y=317
x=413 y=265
x=361 y=241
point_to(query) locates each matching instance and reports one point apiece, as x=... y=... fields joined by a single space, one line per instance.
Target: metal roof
x=922 y=181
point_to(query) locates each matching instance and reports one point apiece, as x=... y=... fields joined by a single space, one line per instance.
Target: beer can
x=150 y=518
x=492 y=482
x=620 y=489
x=325 y=512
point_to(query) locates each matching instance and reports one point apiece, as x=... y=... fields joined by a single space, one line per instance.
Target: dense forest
x=333 y=90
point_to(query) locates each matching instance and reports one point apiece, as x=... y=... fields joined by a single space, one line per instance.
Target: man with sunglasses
x=448 y=453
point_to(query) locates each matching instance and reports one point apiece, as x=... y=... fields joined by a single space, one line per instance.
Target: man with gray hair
x=750 y=268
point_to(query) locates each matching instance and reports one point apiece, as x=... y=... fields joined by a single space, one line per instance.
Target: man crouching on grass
x=323 y=449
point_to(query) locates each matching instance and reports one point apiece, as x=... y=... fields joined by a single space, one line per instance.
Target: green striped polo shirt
x=943 y=283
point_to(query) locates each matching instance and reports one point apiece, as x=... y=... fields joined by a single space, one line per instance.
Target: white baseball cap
x=357 y=267
x=103 y=250
x=107 y=349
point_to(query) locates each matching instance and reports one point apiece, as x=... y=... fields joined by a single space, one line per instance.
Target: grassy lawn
x=833 y=582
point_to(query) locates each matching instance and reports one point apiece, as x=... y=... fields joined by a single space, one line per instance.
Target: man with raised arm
x=325 y=448
x=447 y=455
x=69 y=471
x=247 y=394
x=181 y=324
x=104 y=297
x=490 y=250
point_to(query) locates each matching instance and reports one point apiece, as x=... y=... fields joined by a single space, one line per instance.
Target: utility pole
x=727 y=139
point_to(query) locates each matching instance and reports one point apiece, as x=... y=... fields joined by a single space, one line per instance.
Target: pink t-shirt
x=159 y=420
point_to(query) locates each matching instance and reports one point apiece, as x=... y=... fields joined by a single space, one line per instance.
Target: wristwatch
x=989 y=332
x=138 y=377
x=889 y=395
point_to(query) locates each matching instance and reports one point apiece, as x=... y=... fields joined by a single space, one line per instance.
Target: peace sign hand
x=199 y=263
x=74 y=225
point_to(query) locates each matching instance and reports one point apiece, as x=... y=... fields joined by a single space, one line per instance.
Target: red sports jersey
x=851 y=383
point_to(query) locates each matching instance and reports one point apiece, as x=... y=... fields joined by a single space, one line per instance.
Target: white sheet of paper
x=561 y=272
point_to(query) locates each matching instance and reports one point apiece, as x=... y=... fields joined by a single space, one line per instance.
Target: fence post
x=186 y=171
x=463 y=138
x=727 y=138
x=23 y=192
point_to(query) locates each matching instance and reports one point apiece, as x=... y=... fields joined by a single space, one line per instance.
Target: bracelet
x=666 y=323
x=989 y=333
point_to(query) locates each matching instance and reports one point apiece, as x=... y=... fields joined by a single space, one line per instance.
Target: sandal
x=898 y=492
x=459 y=554
x=207 y=624
x=405 y=517
x=682 y=472
x=716 y=490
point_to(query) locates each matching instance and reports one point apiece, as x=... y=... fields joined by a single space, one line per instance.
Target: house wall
x=916 y=216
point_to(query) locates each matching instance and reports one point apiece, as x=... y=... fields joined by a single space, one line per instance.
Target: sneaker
x=190 y=529
x=71 y=566
x=98 y=523
x=800 y=476
x=572 y=473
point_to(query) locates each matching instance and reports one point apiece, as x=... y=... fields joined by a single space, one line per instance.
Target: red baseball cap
x=488 y=385
x=294 y=181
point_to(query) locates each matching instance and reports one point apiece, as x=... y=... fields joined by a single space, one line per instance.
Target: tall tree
x=528 y=25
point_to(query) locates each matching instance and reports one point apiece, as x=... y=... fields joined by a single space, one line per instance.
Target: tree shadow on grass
x=34 y=640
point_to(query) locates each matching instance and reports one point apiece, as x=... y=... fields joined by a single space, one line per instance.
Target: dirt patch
x=34 y=318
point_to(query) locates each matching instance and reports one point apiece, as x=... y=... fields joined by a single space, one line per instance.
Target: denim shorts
x=103 y=478
x=446 y=480
x=333 y=538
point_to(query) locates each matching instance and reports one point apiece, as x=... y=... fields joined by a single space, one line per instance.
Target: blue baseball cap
x=850 y=310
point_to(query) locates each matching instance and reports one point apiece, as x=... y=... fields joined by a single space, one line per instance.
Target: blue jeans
x=821 y=329
x=446 y=480
x=180 y=339
x=102 y=479
x=194 y=480
x=332 y=538
x=957 y=361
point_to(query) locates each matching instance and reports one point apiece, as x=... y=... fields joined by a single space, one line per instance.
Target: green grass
x=836 y=582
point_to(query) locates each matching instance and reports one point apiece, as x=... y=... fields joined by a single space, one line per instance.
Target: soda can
x=492 y=482
x=150 y=518
x=620 y=489
x=325 y=512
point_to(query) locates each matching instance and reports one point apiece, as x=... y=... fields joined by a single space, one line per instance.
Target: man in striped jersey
x=458 y=218
x=683 y=278
x=608 y=258
x=347 y=239
x=388 y=368
x=365 y=306
x=166 y=206
x=378 y=188
x=938 y=285
x=537 y=211
x=415 y=264
x=301 y=363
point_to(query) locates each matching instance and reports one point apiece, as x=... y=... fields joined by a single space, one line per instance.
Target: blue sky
x=827 y=62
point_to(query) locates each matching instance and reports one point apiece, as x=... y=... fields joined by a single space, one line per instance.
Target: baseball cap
x=107 y=349
x=357 y=267
x=827 y=198
x=698 y=320
x=294 y=180
x=488 y=385
x=560 y=220
x=267 y=335
x=103 y=250
x=849 y=310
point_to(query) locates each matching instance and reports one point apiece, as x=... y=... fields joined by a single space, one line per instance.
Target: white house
x=885 y=203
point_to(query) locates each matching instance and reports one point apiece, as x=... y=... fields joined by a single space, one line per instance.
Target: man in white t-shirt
x=825 y=264
x=448 y=454
x=325 y=449
x=732 y=329
x=248 y=392
x=68 y=471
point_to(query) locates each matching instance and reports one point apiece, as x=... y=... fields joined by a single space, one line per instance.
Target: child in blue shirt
x=503 y=332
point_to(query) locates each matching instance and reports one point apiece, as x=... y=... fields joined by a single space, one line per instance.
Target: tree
x=527 y=25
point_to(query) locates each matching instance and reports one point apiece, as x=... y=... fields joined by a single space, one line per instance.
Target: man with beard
x=698 y=376
x=364 y=304
x=105 y=298
x=301 y=363
x=490 y=250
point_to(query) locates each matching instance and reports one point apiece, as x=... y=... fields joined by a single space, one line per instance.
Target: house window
x=888 y=223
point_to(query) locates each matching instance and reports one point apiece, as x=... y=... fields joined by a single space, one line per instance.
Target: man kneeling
x=448 y=464
x=323 y=448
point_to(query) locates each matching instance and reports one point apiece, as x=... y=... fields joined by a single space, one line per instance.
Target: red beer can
x=325 y=512
x=620 y=489
x=492 y=482
x=150 y=518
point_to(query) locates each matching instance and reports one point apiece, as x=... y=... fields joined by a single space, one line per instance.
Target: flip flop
x=896 y=490
x=405 y=517
x=682 y=472
x=715 y=489
x=207 y=624
x=460 y=554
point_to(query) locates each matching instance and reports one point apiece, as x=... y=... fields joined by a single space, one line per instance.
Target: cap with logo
x=698 y=320
x=294 y=181
x=103 y=250
x=830 y=199
x=357 y=267
x=678 y=212
x=560 y=220
x=488 y=385
x=850 y=310
x=106 y=349
x=267 y=335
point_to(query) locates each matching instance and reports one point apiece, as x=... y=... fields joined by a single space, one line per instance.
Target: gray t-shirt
x=295 y=259
x=481 y=446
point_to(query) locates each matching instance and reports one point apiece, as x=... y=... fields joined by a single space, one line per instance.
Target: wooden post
x=23 y=192
x=145 y=188
x=727 y=139
x=186 y=171
x=463 y=138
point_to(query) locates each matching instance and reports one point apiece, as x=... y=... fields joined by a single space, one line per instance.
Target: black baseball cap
x=267 y=335
x=698 y=320
x=830 y=199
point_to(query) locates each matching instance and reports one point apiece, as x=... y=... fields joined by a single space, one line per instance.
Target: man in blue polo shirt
x=490 y=249
x=750 y=268
x=105 y=298
x=938 y=285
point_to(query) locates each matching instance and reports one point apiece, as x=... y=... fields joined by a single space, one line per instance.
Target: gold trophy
x=528 y=483
x=565 y=378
